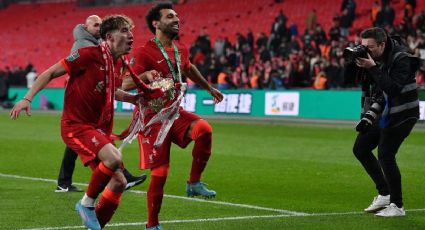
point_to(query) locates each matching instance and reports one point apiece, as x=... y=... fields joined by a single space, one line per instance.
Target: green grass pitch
x=267 y=176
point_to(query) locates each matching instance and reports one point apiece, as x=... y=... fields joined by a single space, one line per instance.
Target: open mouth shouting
x=130 y=44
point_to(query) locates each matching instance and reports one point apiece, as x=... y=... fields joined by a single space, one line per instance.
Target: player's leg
x=190 y=127
x=110 y=160
x=111 y=198
x=201 y=133
x=157 y=160
x=96 y=150
x=155 y=194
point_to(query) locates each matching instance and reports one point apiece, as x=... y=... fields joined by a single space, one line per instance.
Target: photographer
x=390 y=109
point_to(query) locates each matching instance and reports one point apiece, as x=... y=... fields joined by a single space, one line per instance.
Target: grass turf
x=297 y=167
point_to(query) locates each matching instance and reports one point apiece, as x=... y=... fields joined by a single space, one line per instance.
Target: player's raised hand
x=21 y=105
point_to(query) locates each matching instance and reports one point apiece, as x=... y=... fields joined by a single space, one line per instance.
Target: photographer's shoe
x=391 y=211
x=378 y=203
x=199 y=189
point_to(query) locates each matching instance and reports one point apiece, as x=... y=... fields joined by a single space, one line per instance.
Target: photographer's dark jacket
x=391 y=86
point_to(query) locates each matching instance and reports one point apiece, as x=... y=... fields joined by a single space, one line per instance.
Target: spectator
x=345 y=23
x=261 y=40
x=250 y=39
x=224 y=80
x=385 y=17
x=219 y=46
x=311 y=20
x=31 y=76
x=320 y=81
x=335 y=74
x=293 y=28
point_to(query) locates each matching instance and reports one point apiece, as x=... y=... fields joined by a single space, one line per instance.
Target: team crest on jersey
x=73 y=56
x=132 y=61
x=100 y=87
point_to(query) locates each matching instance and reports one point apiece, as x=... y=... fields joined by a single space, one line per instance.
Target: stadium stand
x=42 y=33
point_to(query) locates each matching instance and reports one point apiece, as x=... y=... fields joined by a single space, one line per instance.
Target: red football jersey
x=85 y=93
x=149 y=57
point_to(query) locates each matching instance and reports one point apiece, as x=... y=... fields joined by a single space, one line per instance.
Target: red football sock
x=107 y=206
x=155 y=193
x=99 y=179
x=202 y=135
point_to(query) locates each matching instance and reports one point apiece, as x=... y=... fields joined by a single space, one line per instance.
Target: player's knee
x=201 y=128
x=110 y=156
x=118 y=183
x=113 y=162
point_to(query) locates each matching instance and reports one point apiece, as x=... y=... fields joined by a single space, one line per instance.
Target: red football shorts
x=85 y=140
x=151 y=157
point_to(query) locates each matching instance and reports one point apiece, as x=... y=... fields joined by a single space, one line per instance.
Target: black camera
x=351 y=53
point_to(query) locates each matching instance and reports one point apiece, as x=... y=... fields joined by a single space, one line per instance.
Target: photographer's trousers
x=384 y=170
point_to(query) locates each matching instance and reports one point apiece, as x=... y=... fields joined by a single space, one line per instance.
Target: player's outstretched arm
x=25 y=103
x=121 y=95
x=193 y=73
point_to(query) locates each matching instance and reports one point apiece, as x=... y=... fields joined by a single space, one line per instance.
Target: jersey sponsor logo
x=73 y=56
x=100 y=87
x=132 y=61
x=158 y=62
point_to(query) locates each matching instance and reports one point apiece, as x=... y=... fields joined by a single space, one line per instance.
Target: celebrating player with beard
x=164 y=121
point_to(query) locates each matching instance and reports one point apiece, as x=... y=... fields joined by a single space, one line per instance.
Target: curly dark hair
x=154 y=14
x=114 y=22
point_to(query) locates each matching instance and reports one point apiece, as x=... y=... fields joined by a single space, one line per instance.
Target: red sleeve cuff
x=65 y=66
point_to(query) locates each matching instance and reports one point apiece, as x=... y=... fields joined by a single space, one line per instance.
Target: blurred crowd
x=287 y=59
x=21 y=77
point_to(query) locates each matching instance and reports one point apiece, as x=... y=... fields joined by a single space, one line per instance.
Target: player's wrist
x=27 y=99
x=209 y=88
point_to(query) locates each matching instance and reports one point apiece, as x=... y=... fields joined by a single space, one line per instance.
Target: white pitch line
x=175 y=197
x=231 y=204
x=218 y=219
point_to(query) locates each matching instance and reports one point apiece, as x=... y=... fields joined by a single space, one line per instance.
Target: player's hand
x=150 y=76
x=16 y=110
x=365 y=62
x=150 y=94
x=217 y=95
x=363 y=126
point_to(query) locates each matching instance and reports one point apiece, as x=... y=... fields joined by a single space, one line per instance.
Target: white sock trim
x=87 y=201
